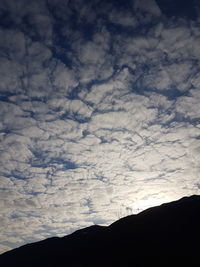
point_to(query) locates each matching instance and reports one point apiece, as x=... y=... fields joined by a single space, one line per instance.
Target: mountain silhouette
x=166 y=236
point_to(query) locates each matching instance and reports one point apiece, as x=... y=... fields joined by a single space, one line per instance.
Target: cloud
x=187 y=105
x=99 y=113
x=149 y=6
x=123 y=19
x=4 y=248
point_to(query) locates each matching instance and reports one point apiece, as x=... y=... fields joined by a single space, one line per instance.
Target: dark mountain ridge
x=164 y=236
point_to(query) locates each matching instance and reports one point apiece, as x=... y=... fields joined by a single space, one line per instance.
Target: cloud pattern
x=99 y=112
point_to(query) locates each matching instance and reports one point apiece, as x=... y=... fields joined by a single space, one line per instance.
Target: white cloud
x=4 y=248
x=63 y=78
x=9 y=74
x=123 y=18
x=188 y=105
x=13 y=43
x=149 y=6
x=43 y=26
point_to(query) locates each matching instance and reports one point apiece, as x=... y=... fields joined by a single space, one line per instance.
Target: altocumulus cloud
x=99 y=112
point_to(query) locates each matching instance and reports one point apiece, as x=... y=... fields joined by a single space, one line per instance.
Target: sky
x=99 y=112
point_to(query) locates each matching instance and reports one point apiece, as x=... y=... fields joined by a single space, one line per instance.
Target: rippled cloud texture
x=99 y=112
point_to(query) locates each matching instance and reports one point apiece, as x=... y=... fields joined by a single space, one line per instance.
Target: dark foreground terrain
x=167 y=235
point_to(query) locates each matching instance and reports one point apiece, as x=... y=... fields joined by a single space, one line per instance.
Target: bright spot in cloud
x=144 y=204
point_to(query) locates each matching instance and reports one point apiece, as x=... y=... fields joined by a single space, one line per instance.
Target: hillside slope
x=164 y=236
